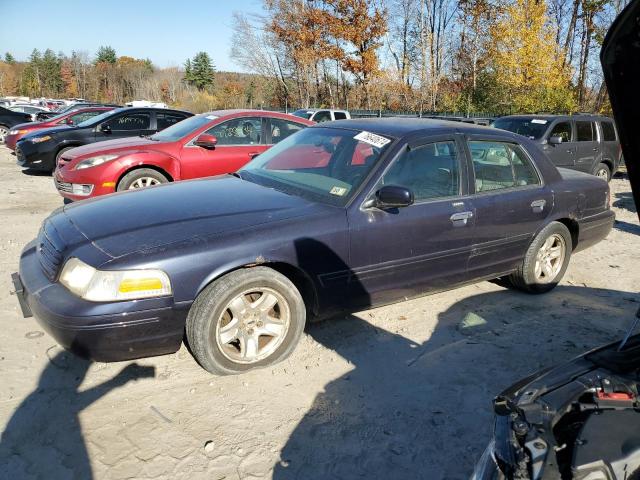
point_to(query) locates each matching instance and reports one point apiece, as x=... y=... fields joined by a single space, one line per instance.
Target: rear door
x=425 y=246
x=510 y=203
x=278 y=129
x=322 y=116
x=562 y=154
x=588 y=152
x=611 y=150
x=239 y=141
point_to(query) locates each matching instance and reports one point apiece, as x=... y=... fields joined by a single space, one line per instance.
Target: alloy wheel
x=253 y=325
x=3 y=133
x=144 y=182
x=550 y=258
x=602 y=173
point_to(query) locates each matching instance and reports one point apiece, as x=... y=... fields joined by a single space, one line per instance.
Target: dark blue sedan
x=345 y=215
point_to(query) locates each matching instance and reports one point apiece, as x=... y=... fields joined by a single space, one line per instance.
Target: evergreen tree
x=201 y=71
x=50 y=76
x=187 y=71
x=106 y=55
x=9 y=58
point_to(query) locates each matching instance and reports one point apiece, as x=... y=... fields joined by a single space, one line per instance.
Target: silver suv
x=584 y=142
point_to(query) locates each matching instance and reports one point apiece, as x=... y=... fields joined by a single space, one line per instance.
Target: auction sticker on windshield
x=537 y=120
x=339 y=191
x=372 y=139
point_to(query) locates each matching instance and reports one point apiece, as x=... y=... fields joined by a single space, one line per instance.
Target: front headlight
x=113 y=285
x=94 y=161
x=18 y=132
x=44 y=138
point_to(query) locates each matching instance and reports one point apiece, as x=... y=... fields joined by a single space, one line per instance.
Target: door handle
x=538 y=205
x=460 y=219
x=253 y=155
x=570 y=151
x=596 y=149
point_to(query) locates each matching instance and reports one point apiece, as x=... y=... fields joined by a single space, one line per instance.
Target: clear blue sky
x=166 y=31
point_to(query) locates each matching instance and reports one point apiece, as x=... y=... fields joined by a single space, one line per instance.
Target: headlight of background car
x=18 y=132
x=40 y=139
x=112 y=285
x=94 y=161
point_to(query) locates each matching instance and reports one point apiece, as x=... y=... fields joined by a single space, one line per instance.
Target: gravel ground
x=397 y=392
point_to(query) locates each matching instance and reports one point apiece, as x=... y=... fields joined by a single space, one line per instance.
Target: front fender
x=162 y=161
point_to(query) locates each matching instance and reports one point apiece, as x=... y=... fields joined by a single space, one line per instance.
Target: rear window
x=584 y=131
x=608 y=132
x=340 y=115
x=167 y=119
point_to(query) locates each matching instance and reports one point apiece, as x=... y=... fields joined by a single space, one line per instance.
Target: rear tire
x=141 y=178
x=603 y=171
x=546 y=260
x=247 y=319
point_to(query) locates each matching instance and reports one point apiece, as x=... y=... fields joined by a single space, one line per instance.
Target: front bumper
x=36 y=156
x=100 y=331
x=99 y=179
x=11 y=139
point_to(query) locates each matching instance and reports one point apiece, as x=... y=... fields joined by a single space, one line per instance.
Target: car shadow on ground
x=35 y=173
x=624 y=200
x=43 y=438
x=423 y=410
x=627 y=227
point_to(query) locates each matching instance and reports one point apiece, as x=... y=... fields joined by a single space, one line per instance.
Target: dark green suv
x=584 y=142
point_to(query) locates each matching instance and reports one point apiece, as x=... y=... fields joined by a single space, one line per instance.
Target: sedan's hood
x=129 y=222
x=111 y=146
x=29 y=126
x=50 y=131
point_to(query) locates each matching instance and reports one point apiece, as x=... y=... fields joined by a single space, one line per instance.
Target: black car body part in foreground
x=40 y=150
x=342 y=215
x=577 y=421
x=9 y=119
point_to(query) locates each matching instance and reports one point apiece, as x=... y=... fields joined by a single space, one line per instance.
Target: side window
x=339 y=115
x=281 y=129
x=81 y=117
x=322 y=116
x=429 y=171
x=584 y=131
x=131 y=121
x=165 y=120
x=501 y=165
x=562 y=129
x=239 y=131
x=608 y=132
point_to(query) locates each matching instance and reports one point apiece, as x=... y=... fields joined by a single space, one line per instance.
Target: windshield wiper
x=235 y=174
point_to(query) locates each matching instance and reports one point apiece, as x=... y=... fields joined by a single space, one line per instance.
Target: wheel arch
x=296 y=275
x=144 y=165
x=573 y=227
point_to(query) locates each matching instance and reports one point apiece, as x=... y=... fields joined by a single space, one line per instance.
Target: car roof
x=239 y=112
x=401 y=127
x=550 y=117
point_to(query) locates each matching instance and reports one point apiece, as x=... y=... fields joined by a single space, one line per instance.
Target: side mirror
x=555 y=140
x=392 y=196
x=206 y=141
x=105 y=128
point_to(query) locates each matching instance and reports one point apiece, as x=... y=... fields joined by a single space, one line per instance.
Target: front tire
x=59 y=155
x=141 y=178
x=546 y=260
x=4 y=131
x=250 y=318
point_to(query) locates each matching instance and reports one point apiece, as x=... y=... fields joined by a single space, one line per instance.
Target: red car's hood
x=110 y=146
x=33 y=126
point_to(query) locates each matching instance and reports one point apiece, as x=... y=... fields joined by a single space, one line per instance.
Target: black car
x=41 y=150
x=8 y=119
x=588 y=143
x=74 y=106
x=342 y=215
x=581 y=420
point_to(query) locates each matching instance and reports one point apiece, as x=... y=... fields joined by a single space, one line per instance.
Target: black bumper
x=36 y=156
x=100 y=331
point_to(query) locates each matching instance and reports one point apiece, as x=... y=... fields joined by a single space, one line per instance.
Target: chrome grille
x=49 y=250
x=63 y=186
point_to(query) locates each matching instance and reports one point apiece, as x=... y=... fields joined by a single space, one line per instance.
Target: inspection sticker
x=537 y=120
x=372 y=139
x=212 y=117
x=339 y=191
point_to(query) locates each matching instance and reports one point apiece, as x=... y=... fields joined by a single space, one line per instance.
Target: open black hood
x=620 y=58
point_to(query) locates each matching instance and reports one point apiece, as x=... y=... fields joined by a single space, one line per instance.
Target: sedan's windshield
x=99 y=118
x=306 y=114
x=185 y=127
x=322 y=164
x=532 y=128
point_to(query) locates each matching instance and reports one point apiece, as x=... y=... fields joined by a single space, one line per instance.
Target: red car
x=73 y=117
x=208 y=144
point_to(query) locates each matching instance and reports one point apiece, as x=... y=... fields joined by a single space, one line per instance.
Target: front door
x=561 y=154
x=131 y=124
x=510 y=204
x=402 y=252
x=239 y=141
